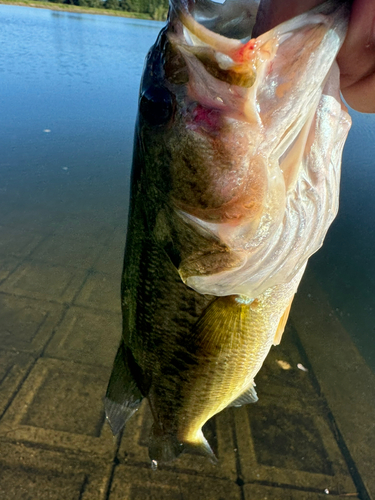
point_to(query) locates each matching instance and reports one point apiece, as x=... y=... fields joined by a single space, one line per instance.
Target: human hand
x=357 y=55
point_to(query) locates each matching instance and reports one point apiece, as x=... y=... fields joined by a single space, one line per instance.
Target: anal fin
x=123 y=396
x=249 y=396
x=282 y=323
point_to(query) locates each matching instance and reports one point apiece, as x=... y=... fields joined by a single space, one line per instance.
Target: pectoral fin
x=123 y=396
x=225 y=324
x=282 y=323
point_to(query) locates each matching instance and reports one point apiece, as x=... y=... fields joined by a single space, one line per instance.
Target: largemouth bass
x=235 y=182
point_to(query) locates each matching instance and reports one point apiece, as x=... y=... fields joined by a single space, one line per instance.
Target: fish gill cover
x=235 y=182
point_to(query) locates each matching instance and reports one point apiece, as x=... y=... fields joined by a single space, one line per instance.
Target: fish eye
x=156 y=105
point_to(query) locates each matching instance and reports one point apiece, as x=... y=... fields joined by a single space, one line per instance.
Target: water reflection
x=346 y=264
x=80 y=80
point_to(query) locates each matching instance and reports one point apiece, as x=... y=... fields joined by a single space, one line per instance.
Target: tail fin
x=123 y=396
x=166 y=447
x=201 y=447
x=163 y=447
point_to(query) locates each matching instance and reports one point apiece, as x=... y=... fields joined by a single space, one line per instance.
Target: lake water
x=68 y=100
x=77 y=76
x=346 y=262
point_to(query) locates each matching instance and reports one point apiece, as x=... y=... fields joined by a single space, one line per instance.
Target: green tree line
x=157 y=9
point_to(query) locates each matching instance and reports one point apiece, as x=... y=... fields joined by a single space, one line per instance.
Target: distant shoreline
x=62 y=7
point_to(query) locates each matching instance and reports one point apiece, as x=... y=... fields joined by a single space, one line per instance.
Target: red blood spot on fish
x=206 y=118
x=244 y=53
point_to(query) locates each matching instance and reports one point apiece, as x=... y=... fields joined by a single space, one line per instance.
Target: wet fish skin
x=193 y=358
x=200 y=307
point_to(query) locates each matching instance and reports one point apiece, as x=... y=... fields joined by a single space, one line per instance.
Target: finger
x=357 y=55
x=361 y=95
x=273 y=12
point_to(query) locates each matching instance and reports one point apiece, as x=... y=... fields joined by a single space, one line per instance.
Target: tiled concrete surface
x=59 y=330
x=44 y=282
x=219 y=431
x=133 y=483
x=260 y=492
x=39 y=473
x=86 y=336
x=14 y=367
x=27 y=324
x=101 y=291
x=17 y=242
x=346 y=382
x=286 y=437
x=79 y=251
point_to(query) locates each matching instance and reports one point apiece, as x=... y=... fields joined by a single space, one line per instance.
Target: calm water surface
x=346 y=263
x=68 y=99
x=76 y=76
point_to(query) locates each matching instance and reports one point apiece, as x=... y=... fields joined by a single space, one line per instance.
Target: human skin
x=357 y=55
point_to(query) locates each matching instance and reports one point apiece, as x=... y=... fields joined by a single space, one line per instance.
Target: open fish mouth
x=247 y=138
x=225 y=64
x=231 y=18
x=222 y=58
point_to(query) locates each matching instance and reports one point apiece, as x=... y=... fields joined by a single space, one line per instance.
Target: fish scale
x=235 y=181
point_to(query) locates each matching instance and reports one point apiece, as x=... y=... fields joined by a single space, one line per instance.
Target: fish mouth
x=218 y=53
x=224 y=66
x=214 y=67
x=241 y=104
x=223 y=60
x=230 y=18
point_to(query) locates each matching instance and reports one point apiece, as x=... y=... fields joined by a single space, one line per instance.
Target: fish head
x=225 y=118
x=197 y=115
x=217 y=105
